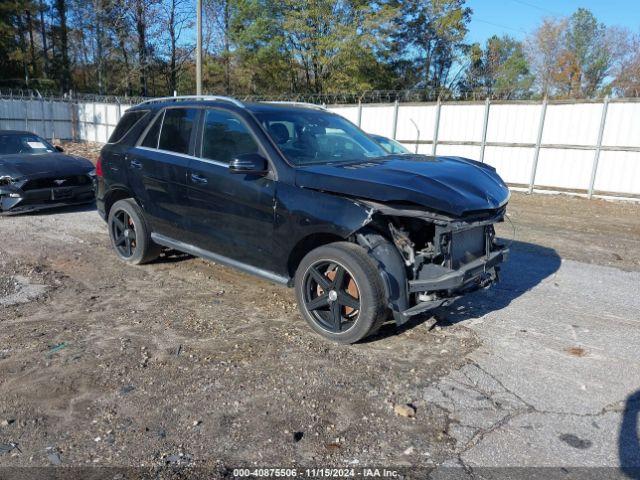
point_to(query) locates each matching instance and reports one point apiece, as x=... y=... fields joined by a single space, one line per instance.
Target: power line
x=500 y=25
x=537 y=7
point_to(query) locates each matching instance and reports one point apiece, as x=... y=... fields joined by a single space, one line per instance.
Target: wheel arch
x=391 y=268
x=113 y=195
x=306 y=245
x=385 y=254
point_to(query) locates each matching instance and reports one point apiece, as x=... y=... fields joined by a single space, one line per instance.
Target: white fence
x=588 y=146
x=576 y=146
x=62 y=119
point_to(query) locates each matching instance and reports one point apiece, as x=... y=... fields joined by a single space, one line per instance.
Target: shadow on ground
x=629 y=437
x=83 y=207
x=527 y=266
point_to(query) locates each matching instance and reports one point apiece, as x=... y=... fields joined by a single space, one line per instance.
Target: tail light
x=99 y=167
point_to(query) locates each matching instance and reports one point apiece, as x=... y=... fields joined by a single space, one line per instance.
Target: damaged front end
x=27 y=194
x=442 y=257
x=10 y=194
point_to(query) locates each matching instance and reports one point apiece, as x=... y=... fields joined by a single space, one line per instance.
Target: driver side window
x=225 y=137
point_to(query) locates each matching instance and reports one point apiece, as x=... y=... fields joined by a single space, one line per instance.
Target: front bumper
x=14 y=201
x=440 y=278
x=444 y=286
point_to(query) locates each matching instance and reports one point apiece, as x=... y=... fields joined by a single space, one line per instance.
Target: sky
x=519 y=17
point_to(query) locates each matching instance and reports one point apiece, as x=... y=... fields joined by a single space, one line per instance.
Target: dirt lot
x=184 y=362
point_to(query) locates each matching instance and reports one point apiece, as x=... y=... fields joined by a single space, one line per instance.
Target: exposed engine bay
x=443 y=257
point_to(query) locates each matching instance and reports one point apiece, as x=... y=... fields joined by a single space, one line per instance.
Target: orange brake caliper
x=352 y=290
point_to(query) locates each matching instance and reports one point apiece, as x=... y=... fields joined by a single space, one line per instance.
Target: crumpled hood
x=21 y=165
x=450 y=185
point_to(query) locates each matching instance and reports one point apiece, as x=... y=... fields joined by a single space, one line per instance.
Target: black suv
x=301 y=196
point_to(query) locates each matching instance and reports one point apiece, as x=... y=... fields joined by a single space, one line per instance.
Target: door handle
x=195 y=178
x=136 y=164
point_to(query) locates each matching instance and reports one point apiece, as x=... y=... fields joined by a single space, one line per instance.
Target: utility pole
x=199 y=49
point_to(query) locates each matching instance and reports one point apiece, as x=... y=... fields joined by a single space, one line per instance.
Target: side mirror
x=59 y=148
x=249 y=163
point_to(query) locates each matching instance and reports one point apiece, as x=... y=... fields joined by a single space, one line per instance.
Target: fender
x=392 y=271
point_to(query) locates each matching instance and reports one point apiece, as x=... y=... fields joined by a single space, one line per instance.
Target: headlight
x=6 y=180
x=92 y=173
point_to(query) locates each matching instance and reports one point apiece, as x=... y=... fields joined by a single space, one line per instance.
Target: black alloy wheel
x=123 y=231
x=340 y=292
x=129 y=233
x=331 y=296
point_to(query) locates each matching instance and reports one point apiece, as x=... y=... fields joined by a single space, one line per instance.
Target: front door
x=232 y=214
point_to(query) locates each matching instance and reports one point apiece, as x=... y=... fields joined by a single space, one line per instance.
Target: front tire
x=340 y=293
x=130 y=234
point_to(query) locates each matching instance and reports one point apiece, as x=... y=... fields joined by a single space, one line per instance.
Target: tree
x=140 y=15
x=219 y=15
x=626 y=69
x=430 y=34
x=589 y=48
x=122 y=30
x=572 y=57
x=500 y=69
x=175 y=18
x=65 y=76
x=331 y=41
x=544 y=52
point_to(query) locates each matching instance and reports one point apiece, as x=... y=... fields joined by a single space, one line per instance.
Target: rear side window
x=225 y=137
x=126 y=123
x=151 y=138
x=177 y=126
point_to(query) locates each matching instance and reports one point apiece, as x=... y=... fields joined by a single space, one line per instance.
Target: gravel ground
x=183 y=362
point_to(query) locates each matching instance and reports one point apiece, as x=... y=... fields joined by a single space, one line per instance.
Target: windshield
x=309 y=137
x=28 y=143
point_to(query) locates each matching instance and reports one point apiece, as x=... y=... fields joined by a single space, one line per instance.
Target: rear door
x=158 y=169
x=232 y=214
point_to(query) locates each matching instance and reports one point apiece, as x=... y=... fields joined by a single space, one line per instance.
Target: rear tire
x=130 y=235
x=340 y=293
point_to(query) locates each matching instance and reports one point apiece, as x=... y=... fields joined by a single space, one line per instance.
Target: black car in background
x=390 y=145
x=301 y=196
x=35 y=175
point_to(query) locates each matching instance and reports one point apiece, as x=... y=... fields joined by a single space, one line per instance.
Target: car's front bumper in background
x=13 y=200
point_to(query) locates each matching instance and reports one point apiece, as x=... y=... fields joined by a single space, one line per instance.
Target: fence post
x=52 y=120
x=487 y=106
x=596 y=155
x=119 y=114
x=42 y=119
x=106 y=121
x=95 y=122
x=26 y=114
x=536 y=153
x=75 y=120
x=359 y=113
x=396 y=107
x=436 y=128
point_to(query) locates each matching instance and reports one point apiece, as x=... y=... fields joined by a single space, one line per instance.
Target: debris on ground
x=576 y=351
x=405 y=410
x=54 y=458
x=57 y=348
x=88 y=150
x=6 y=448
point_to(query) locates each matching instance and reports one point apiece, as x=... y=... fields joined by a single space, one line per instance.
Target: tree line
x=317 y=47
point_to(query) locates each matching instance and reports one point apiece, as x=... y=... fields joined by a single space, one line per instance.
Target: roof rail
x=301 y=104
x=236 y=102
